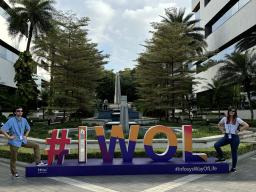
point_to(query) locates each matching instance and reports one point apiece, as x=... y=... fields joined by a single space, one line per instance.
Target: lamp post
x=188 y=99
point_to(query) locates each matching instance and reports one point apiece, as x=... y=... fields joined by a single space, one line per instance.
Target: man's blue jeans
x=234 y=143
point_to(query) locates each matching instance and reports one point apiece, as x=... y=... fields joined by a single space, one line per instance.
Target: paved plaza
x=243 y=180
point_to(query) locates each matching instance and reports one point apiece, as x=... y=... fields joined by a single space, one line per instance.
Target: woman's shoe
x=15 y=175
x=220 y=159
x=41 y=163
x=233 y=170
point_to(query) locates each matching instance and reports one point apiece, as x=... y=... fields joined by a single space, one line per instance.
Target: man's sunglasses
x=233 y=111
x=19 y=110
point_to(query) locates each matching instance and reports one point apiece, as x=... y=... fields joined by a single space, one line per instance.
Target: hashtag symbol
x=61 y=151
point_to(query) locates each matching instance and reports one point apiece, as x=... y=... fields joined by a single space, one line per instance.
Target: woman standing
x=230 y=126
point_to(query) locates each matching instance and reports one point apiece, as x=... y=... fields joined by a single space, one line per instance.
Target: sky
x=120 y=27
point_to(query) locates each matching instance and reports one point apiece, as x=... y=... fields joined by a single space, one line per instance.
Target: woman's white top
x=231 y=128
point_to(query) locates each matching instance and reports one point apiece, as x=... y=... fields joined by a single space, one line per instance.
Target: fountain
x=118 y=113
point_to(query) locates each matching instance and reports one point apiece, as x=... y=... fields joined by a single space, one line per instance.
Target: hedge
x=27 y=155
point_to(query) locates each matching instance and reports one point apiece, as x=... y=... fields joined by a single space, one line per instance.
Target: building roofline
x=231 y=42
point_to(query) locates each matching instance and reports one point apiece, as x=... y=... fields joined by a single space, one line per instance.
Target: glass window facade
x=8 y=55
x=232 y=11
x=3 y=13
x=197 y=17
x=221 y=55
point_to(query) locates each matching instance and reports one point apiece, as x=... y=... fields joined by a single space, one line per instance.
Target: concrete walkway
x=242 y=181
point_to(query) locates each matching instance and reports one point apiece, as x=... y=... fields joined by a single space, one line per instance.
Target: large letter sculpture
x=55 y=140
x=82 y=144
x=172 y=143
x=117 y=134
x=188 y=156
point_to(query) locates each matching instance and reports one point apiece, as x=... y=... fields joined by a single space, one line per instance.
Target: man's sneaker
x=233 y=170
x=220 y=159
x=15 y=175
x=41 y=163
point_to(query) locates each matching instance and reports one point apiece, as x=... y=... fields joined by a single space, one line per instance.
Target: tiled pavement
x=243 y=180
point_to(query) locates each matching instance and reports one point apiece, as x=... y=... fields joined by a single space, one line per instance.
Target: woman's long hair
x=234 y=116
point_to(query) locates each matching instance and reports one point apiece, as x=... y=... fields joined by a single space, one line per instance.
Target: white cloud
x=101 y=15
x=120 y=26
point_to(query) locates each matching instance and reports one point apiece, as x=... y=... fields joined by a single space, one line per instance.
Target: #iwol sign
x=108 y=165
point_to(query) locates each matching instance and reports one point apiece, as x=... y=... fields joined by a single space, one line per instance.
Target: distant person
x=105 y=105
x=194 y=111
x=243 y=102
x=230 y=125
x=16 y=129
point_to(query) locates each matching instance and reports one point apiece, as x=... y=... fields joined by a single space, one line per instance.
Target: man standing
x=16 y=129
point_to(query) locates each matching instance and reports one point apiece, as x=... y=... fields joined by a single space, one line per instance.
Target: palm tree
x=240 y=69
x=217 y=87
x=173 y=15
x=30 y=17
x=247 y=42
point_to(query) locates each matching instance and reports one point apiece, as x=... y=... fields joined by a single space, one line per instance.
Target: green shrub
x=26 y=155
x=3 y=119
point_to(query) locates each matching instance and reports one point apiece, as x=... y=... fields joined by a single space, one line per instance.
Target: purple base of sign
x=118 y=167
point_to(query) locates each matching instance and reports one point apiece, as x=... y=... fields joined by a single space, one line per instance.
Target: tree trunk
x=64 y=116
x=250 y=104
x=29 y=37
x=167 y=115
x=172 y=74
x=219 y=110
x=52 y=65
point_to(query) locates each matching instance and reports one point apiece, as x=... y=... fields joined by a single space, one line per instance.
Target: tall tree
x=163 y=77
x=106 y=86
x=46 y=51
x=240 y=69
x=76 y=63
x=163 y=73
x=129 y=84
x=237 y=97
x=30 y=17
x=44 y=99
x=191 y=27
x=217 y=89
x=27 y=91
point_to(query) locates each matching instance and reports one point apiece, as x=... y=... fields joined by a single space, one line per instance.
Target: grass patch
x=200 y=129
x=40 y=130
